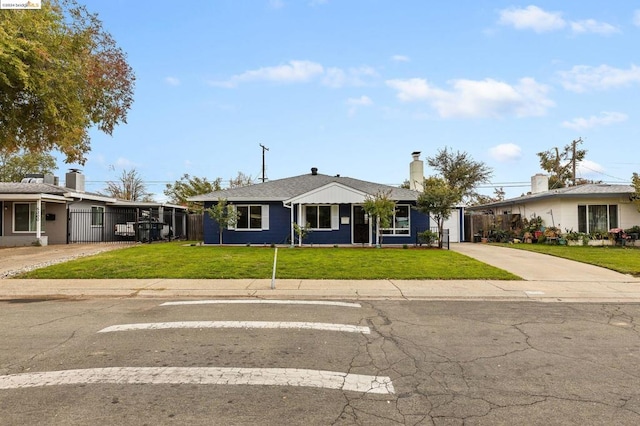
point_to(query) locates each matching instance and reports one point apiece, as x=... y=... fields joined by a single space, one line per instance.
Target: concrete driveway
x=537 y=267
x=16 y=259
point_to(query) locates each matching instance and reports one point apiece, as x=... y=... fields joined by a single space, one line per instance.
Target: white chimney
x=416 y=172
x=539 y=183
x=74 y=180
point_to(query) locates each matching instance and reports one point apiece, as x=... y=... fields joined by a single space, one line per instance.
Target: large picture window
x=399 y=222
x=97 y=215
x=252 y=217
x=318 y=217
x=597 y=218
x=25 y=216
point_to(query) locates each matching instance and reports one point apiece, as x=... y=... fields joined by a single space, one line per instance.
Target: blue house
x=330 y=206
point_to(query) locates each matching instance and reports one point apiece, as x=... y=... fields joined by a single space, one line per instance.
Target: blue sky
x=352 y=87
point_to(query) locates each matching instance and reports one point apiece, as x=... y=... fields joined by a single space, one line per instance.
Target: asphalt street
x=421 y=363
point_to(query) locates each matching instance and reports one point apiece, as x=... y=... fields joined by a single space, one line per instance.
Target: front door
x=360 y=226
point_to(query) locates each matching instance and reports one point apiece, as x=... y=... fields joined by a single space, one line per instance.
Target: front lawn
x=177 y=260
x=622 y=259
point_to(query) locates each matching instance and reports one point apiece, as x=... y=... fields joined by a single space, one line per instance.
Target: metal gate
x=99 y=225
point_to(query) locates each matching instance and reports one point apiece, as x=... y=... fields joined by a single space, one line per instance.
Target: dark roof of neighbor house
x=287 y=188
x=580 y=191
x=31 y=188
x=28 y=188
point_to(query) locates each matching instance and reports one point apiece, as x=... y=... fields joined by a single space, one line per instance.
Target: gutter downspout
x=39 y=218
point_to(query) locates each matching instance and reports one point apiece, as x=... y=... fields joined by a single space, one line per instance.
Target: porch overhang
x=331 y=193
x=35 y=197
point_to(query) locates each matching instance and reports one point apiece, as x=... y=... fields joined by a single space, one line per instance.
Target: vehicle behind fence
x=99 y=225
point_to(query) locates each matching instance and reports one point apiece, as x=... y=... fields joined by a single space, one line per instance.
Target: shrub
x=427 y=237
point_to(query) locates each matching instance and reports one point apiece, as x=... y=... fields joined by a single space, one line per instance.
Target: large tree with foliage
x=15 y=166
x=129 y=187
x=189 y=186
x=461 y=172
x=224 y=214
x=380 y=207
x=561 y=165
x=61 y=74
x=437 y=199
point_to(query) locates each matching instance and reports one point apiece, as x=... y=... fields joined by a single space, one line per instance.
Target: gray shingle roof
x=587 y=190
x=284 y=189
x=31 y=188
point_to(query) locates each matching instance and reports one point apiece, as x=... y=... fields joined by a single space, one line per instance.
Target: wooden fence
x=195 y=227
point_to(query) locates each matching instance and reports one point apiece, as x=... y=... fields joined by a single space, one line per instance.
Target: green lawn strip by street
x=177 y=260
x=621 y=259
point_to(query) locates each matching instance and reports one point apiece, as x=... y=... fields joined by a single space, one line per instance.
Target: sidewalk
x=547 y=279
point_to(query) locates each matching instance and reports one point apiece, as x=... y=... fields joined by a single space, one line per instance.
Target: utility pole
x=573 y=158
x=264 y=148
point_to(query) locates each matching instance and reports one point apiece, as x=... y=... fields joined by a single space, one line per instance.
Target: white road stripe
x=239 y=324
x=203 y=376
x=263 y=301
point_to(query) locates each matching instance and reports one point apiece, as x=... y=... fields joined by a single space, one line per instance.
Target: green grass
x=621 y=259
x=177 y=260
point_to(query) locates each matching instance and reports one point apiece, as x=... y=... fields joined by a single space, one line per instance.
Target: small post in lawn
x=273 y=276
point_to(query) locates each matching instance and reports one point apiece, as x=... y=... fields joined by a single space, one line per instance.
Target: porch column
x=291 y=230
x=38 y=218
x=299 y=217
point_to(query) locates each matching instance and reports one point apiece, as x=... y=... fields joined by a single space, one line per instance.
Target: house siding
x=563 y=212
x=280 y=228
x=278 y=232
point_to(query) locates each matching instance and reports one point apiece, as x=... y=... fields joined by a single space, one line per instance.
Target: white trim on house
x=331 y=193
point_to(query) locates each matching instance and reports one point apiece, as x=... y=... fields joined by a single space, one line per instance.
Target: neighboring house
x=583 y=208
x=332 y=206
x=40 y=211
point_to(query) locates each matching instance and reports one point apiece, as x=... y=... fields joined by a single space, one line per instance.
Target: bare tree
x=129 y=187
x=240 y=180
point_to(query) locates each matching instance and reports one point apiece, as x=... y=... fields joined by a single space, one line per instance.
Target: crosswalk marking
x=203 y=376
x=239 y=324
x=264 y=302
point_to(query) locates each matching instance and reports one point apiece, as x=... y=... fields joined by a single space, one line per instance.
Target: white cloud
x=505 y=152
x=292 y=72
x=354 y=103
x=636 y=18
x=400 y=58
x=606 y=118
x=172 y=81
x=361 y=101
x=532 y=18
x=588 y=168
x=124 y=163
x=593 y=26
x=302 y=72
x=337 y=77
x=582 y=78
x=471 y=98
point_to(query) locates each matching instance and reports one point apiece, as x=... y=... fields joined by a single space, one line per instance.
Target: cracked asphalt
x=450 y=363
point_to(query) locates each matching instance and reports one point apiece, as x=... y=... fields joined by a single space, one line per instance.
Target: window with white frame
x=97 y=215
x=597 y=217
x=399 y=222
x=25 y=217
x=321 y=217
x=252 y=217
x=318 y=217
